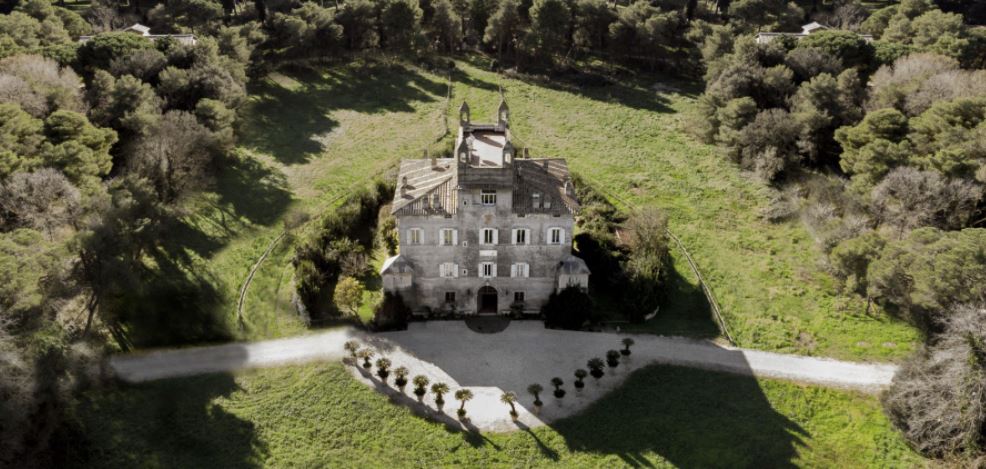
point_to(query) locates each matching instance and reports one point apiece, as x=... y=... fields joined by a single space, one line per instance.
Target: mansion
x=486 y=231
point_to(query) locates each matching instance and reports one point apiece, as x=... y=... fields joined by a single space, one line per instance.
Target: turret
x=503 y=114
x=508 y=153
x=463 y=115
x=462 y=153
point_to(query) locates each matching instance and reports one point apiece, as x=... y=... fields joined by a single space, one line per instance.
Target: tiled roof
x=547 y=178
x=428 y=190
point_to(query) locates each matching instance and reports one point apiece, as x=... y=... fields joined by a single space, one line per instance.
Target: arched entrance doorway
x=487 y=300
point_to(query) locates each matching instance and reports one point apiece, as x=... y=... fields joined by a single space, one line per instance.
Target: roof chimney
x=403 y=187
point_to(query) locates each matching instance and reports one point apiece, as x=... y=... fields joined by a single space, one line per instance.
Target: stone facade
x=486 y=231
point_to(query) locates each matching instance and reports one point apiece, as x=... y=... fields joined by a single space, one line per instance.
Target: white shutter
x=455 y=237
x=513 y=236
x=513 y=270
x=455 y=270
x=561 y=236
x=494 y=270
x=496 y=236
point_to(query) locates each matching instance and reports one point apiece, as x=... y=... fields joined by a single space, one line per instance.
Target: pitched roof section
x=546 y=178
x=423 y=189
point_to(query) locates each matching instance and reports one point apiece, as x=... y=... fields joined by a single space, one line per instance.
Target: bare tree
x=174 y=155
x=938 y=398
x=57 y=87
x=44 y=200
x=908 y=198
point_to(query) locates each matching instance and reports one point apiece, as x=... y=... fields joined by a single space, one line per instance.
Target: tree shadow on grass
x=691 y=418
x=291 y=123
x=168 y=423
x=253 y=190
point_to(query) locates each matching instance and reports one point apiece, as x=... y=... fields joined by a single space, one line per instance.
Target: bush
x=391 y=314
x=570 y=308
x=938 y=398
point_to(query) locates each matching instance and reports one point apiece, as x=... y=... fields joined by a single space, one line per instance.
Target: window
x=488 y=197
x=521 y=236
x=415 y=236
x=449 y=237
x=520 y=269
x=536 y=200
x=450 y=297
x=487 y=270
x=555 y=236
x=448 y=270
x=488 y=236
x=518 y=297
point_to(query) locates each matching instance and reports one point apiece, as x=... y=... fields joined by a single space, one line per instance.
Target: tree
x=874 y=146
x=550 y=25
x=383 y=368
x=366 y=354
x=535 y=390
x=352 y=347
x=20 y=139
x=400 y=22
x=463 y=396
x=503 y=28
x=509 y=398
x=938 y=398
x=847 y=46
x=592 y=20
x=420 y=385
x=78 y=148
x=100 y=51
x=929 y=272
x=439 y=389
x=358 y=22
x=908 y=198
x=445 y=27
x=850 y=261
x=627 y=343
x=39 y=85
x=43 y=200
x=557 y=383
x=400 y=377
x=580 y=375
x=348 y=295
x=595 y=366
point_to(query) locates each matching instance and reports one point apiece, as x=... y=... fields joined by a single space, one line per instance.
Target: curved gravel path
x=488 y=364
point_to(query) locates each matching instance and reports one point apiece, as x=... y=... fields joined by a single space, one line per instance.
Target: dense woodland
x=879 y=147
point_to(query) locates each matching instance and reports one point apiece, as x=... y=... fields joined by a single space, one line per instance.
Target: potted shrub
x=420 y=386
x=595 y=366
x=509 y=398
x=352 y=347
x=439 y=389
x=366 y=354
x=557 y=382
x=580 y=375
x=400 y=377
x=535 y=389
x=383 y=368
x=613 y=358
x=627 y=342
x=462 y=396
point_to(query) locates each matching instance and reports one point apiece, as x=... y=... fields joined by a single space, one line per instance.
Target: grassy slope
x=307 y=139
x=317 y=415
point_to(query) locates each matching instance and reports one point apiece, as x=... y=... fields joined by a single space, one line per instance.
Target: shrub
x=580 y=375
x=569 y=309
x=557 y=383
x=366 y=355
x=535 y=390
x=383 y=368
x=627 y=342
x=439 y=390
x=391 y=314
x=400 y=376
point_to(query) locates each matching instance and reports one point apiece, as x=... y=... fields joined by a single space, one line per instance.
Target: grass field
x=307 y=138
x=318 y=416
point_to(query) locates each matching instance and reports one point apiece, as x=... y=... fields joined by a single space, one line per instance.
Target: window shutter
x=455 y=270
x=496 y=236
x=494 y=270
x=441 y=270
x=513 y=236
x=455 y=237
x=513 y=270
x=408 y=238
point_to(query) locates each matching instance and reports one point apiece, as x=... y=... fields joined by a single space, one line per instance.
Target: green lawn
x=308 y=138
x=318 y=416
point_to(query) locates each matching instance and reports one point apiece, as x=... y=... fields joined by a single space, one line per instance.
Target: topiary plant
x=536 y=389
x=613 y=358
x=400 y=377
x=557 y=382
x=627 y=342
x=366 y=354
x=420 y=386
x=383 y=368
x=580 y=374
x=595 y=366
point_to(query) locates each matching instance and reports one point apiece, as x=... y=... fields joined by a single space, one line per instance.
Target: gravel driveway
x=510 y=360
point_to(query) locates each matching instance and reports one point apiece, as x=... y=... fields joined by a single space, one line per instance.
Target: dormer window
x=536 y=200
x=546 y=202
x=436 y=203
